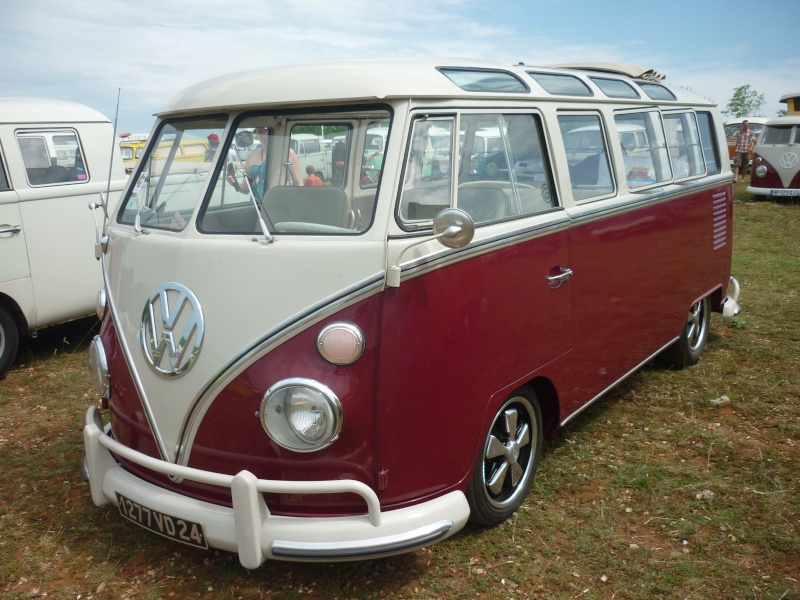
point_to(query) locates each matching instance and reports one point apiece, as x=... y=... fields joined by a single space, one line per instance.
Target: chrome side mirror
x=454 y=228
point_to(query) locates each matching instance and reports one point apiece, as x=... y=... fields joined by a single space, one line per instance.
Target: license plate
x=784 y=192
x=174 y=528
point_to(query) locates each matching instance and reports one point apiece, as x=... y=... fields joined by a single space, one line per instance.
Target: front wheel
x=508 y=460
x=9 y=339
x=687 y=350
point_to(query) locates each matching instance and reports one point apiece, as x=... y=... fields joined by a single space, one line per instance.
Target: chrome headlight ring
x=98 y=367
x=301 y=415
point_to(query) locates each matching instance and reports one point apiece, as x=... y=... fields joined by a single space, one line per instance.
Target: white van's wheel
x=508 y=460
x=9 y=339
x=688 y=349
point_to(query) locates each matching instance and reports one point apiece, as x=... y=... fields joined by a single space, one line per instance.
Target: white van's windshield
x=269 y=174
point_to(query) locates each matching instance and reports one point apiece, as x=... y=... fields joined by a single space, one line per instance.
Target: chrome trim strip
x=272 y=338
x=123 y=343
x=388 y=545
x=446 y=257
x=636 y=200
x=618 y=381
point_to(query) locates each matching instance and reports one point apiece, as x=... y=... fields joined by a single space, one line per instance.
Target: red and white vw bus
x=776 y=168
x=358 y=368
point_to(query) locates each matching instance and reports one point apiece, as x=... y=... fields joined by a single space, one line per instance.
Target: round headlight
x=98 y=368
x=340 y=343
x=100 y=303
x=301 y=415
x=761 y=170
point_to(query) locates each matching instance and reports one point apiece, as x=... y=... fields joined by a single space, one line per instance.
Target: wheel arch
x=15 y=311
x=549 y=404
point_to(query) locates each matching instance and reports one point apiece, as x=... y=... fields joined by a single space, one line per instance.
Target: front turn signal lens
x=341 y=343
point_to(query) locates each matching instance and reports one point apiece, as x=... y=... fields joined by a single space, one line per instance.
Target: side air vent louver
x=720 y=220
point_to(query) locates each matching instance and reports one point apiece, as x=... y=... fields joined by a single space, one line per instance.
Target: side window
x=426 y=182
x=587 y=156
x=503 y=172
x=52 y=156
x=709 y=141
x=644 y=148
x=4 y=187
x=683 y=140
x=374 y=145
x=497 y=161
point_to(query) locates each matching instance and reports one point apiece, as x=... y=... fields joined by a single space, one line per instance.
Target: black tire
x=9 y=340
x=508 y=460
x=687 y=350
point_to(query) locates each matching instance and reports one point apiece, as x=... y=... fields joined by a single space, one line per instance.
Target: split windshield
x=268 y=174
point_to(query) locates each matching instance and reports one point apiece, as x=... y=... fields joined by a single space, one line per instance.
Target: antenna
x=102 y=241
x=111 y=161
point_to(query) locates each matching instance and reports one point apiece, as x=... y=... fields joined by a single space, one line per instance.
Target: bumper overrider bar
x=249 y=529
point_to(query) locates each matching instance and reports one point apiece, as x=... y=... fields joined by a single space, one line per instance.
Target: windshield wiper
x=264 y=229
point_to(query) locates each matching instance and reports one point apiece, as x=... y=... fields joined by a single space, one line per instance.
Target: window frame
x=604 y=135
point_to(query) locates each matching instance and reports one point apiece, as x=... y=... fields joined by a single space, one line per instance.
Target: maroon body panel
x=450 y=339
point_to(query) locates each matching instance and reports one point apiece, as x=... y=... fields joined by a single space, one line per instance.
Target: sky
x=146 y=51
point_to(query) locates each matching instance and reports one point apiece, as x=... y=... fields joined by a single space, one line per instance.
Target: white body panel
x=54 y=249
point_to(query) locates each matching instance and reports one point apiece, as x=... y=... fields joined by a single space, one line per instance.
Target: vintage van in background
x=733 y=126
x=776 y=162
x=54 y=161
x=353 y=371
x=131 y=146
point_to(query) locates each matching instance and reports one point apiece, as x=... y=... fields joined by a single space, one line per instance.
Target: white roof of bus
x=41 y=110
x=738 y=120
x=352 y=81
x=787 y=120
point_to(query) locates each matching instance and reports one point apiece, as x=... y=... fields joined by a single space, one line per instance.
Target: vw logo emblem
x=172 y=330
x=789 y=160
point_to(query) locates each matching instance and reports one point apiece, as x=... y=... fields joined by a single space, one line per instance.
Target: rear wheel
x=9 y=339
x=508 y=460
x=688 y=349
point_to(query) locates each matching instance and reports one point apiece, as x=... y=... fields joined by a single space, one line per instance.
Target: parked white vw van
x=776 y=166
x=356 y=370
x=54 y=161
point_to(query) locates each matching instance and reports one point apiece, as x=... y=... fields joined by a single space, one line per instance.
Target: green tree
x=745 y=102
x=782 y=112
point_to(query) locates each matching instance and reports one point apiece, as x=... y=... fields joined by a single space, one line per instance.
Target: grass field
x=653 y=492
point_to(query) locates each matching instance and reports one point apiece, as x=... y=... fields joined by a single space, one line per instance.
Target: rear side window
x=709 y=141
x=52 y=156
x=587 y=155
x=490 y=165
x=683 y=139
x=644 y=148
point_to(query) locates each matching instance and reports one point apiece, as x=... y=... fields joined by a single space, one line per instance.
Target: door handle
x=562 y=274
x=11 y=229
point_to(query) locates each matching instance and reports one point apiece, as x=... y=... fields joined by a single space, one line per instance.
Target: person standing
x=745 y=140
x=339 y=161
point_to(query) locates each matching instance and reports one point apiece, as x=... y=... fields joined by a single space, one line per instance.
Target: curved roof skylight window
x=560 y=84
x=656 y=91
x=485 y=80
x=615 y=88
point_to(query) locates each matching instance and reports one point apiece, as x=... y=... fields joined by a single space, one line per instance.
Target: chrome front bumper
x=249 y=529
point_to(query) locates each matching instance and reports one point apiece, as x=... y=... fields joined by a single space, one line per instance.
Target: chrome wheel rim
x=508 y=451
x=696 y=325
